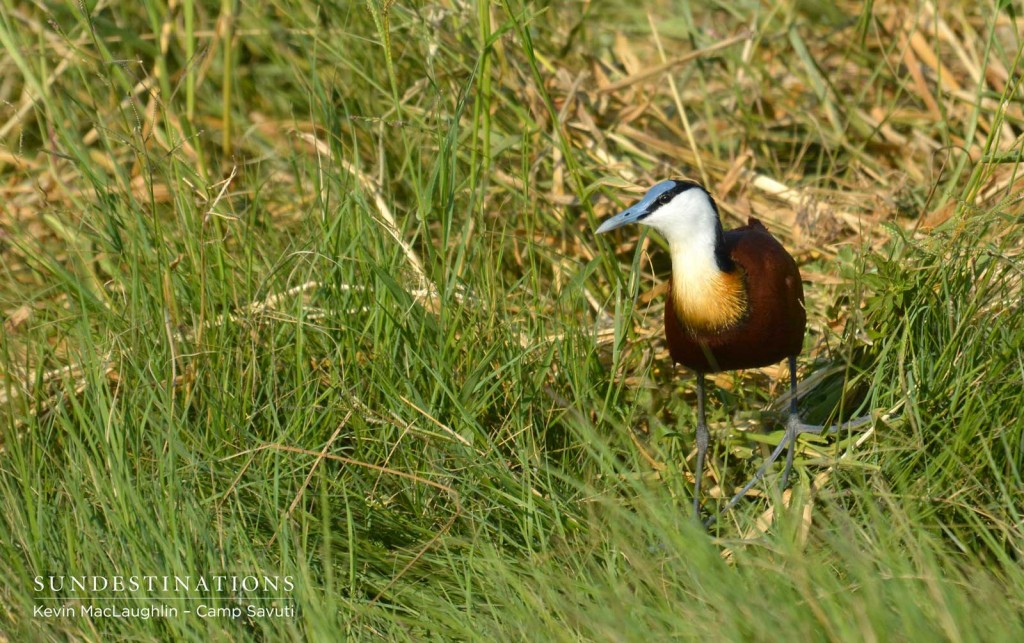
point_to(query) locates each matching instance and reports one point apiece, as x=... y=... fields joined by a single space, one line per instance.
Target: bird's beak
x=632 y=215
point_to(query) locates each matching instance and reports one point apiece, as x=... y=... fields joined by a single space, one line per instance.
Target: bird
x=735 y=301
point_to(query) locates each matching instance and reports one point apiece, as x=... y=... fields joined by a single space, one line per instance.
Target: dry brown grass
x=825 y=123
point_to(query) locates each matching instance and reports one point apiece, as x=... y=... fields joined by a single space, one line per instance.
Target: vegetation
x=310 y=291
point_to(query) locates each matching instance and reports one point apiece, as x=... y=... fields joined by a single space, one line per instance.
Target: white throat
x=690 y=225
x=694 y=267
x=705 y=298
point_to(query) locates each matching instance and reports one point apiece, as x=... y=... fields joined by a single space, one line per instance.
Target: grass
x=311 y=292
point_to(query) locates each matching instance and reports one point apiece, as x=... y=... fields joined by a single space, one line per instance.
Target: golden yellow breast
x=711 y=305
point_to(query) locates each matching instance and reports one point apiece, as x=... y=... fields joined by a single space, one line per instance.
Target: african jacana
x=735 y=299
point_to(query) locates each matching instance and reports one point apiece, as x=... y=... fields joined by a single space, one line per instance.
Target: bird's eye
x=664 y=199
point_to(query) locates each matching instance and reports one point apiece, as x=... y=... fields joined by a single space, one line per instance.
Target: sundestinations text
x=164 y=584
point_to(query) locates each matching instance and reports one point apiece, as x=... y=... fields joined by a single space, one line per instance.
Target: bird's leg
x=759 y=474
x=791 y=425
x=788 y=441
x=794 y=427
x=702 y=444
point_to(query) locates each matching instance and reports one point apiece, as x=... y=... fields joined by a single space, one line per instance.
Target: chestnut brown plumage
x=735 y=300
x=773 y=322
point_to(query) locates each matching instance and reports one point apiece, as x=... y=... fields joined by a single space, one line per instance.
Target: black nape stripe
x=722 y=258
